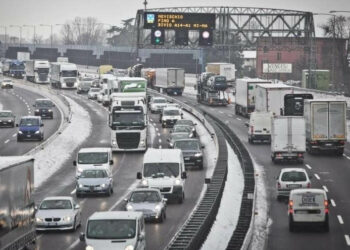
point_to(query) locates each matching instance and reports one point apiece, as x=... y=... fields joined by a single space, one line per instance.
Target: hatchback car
x=43 y=108
x=94 y=181
x=289 y=179
x=157 y=104
x=6 y=84
x=183 y=129
x=58 y=213
x=149 y=201
x=191 y=151
x=188 y=122
x=7 y=118
x=30 y=128
x=93 y=92
x=173 y=137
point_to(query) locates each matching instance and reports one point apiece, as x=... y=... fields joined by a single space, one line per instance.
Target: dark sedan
x=192 y=151
x=7 y=118
x=43 y=108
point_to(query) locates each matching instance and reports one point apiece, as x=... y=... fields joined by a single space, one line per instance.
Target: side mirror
x=183 y=175
x=111 y=162
x=35 y=208
x=246 y=124
x=139 y=175
x=77 y=206
x=74 y=163
x=203 y=146
x=42 y=125
x=125 y=200
x=82 y=237
x=182 y=115
x=16 y=124
x=165 y=200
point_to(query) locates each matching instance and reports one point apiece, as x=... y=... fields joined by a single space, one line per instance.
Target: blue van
x=30 y=128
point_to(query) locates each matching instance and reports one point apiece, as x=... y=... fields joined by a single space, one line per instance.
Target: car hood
x=143 y=206
x=29 y=128
x=54 y=213
x=92 y=181
x=112 y=244
x=103 y=165
x=171 y=117
x=190 y=152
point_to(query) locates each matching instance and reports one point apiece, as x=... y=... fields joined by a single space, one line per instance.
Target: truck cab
x=164 y=169
x=64 y=75
x=30 y=128
x=115 y=230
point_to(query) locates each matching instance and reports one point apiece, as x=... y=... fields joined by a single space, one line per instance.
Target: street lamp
x=34 y=37
x=20 y=33
x=5 y=28
x=48 y=25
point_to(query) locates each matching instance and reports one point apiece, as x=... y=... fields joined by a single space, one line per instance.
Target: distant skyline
x=112 y=12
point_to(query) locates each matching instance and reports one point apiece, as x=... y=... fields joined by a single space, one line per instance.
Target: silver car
x=188 y=122
x=94 y=181
x=7 y=118
x=149 y=201
x=183 y=129
x=58 y=213
x=93 y=93
x=173 y=137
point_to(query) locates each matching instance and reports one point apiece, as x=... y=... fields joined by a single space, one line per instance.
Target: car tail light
x=326 y=208
x=313 y=142
x=308 y=185
x=300 y=155
x=290 y=206
x=342 y=142
x=278 y=184
x=251 y=129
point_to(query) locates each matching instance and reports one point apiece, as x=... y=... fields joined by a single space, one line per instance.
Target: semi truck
x=227 y=70
x=270 y=97
x=64 y=75
x=288 y=138
x=37 y=71
x=245 y=95
x=17 y=208
x=294 y=104
x=326 y=129
x=170 y=80
x=14 y=68
x=211 y=89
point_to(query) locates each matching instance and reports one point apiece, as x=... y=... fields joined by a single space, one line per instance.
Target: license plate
x=187 y=158
x=302 y=212
x=175 y=93
x=294 y=186
x=28 y=135
x=328 y=144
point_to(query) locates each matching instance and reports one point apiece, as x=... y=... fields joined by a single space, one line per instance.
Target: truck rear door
x=337 y=120
x=298 y=134
x=319 y=120
x=172 y=77
x=279 y=135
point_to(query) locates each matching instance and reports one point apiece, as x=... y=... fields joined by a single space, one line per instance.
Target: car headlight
x=198 y=155
x=129 y=207
x=144 y=182
x=37 y=132
x=114 y=143
x=89 y=248
x=142 y=143
x=9 y=121
x=67 y=218
x=20 y=132
x=80 y=170
x=37 y=110
x=171 y=144
x=49 y=110
x=130 y=247
x=38 y=220
x=103 y=185
x=177 y=182
x=157 y=208
x=80 y=185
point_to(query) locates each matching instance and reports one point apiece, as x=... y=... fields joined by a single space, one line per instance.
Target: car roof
x=171 y=108
x=155 y=155
x=158 y=97
x=188 y=139
x=283 y=170
x=145 y=189
x=116 y=215
x=179 y=133
x=308 y=190
x=42 y=99
x=94 y=150
x=6 y=110
x=58 y=198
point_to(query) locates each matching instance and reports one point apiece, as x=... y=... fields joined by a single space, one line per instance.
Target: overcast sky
x=35 y=12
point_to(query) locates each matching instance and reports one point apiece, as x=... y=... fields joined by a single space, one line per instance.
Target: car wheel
x=201 y=166
x=74 y=226
x=78 y=195
x=18 y=139
x=181 y=199
x=278 y=198
x=339 y=152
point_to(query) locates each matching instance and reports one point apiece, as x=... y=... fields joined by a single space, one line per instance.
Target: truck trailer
x=288 y=138
x=37 y=71
x=227 y=70
x=64 y=75
x=170 y=80
x=211 y=89
x=245 y=95
x=326 y=129
x=17 y=208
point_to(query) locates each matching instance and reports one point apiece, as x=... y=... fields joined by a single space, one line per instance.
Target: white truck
x=37 y=71
x=170 y=80
x=325 y=125
x=17 y=208
x=64 y=75
x=259 y=127
x=23 y=56
x=270 y=97
x=128 y=121
x=288 y=138
x=223 y=69
x=245 y=95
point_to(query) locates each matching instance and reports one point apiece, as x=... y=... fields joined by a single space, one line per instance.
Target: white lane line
x=74 y=191
x=333 y=203
x=151 y=119
x=221 y=112
x=348 y=157
x=160 y=140
x=7 y=141
x=158 y=134
x=317 y=177
x=325 y=188
x=347 y=239
x=160 y=146
x=157 y=129
x=340 y=219
x=14 y=135
x=239 y=119
x=308 y=166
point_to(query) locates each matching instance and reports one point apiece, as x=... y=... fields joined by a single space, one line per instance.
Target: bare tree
x=338 y=26
x=122 y=36
x=83 y=31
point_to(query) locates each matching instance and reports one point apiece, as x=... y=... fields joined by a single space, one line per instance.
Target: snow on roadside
x=348 y=123
x=1 y=107
x=227 y=217
x=52 y=157
x=262 y=222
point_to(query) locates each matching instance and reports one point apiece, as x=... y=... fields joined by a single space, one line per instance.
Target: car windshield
x=293 y=176
x=171 y=112
x=155 y=170
x=159 y=101
x=56 y=204
x=144 y=196
x=69 y=73
x=94 y=173
x=187 y=145
x=94 y=90
x=43 y=103
x=111 y=229
x=179 y=136
x=92 y=158
x=184 y=122
x=43 y=70
x=182 y=129
x=29 y=122
x=128 y=119
x=87 y=79
x=5 y=114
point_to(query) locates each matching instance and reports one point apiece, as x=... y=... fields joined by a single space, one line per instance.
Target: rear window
x=293 y=176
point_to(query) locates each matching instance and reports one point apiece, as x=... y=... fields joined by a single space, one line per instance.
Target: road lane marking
x=308 y=166
x=347 y=239
x=333 y=203
x=221 y=112
x=157 y=129
x=160 y=140
x=348 y=157
x=325 y=188
x=158 y=134
x=74 y=191
x=239 y=119
x=7 y=141
x=317 y=177
x=14 y=135
x=340 y=219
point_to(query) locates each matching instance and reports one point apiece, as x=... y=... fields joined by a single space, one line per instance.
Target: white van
x=164 y=169
x=93 y=157
x=308 y=206
x=169 y=116
x=259 y=127
x=115 y=230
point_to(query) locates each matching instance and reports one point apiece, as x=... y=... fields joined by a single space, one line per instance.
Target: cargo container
x=170 y=80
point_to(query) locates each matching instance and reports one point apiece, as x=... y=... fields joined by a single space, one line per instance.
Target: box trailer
x=170 y=80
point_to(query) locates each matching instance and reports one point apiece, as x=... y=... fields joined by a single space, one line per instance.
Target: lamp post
x=51 y=27
x=34 y=36
x=5 y=28
x=20 y=33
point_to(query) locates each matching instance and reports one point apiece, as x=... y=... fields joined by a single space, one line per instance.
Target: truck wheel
x=339 y=152
x=181 y=199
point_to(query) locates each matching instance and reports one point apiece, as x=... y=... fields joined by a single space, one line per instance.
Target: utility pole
x=20 y=33
x=145 y=4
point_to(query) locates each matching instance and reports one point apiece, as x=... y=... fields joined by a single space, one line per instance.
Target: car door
x=141 y=244
x=77 y=212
